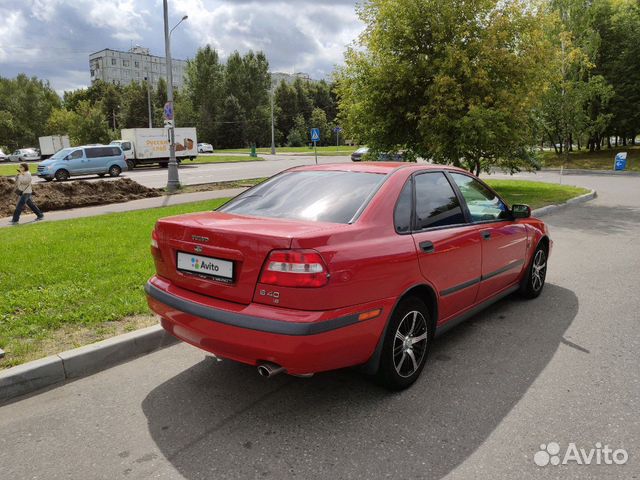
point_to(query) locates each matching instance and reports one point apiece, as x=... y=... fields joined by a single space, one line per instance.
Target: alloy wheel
x=410 y=344
x=539 y=270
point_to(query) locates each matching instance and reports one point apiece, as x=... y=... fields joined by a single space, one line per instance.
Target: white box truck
x=145 y=146
x=51 y=144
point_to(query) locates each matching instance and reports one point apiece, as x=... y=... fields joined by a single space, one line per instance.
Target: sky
x=52 y=39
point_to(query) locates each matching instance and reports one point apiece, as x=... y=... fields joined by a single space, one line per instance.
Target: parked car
x=84 y=160
x=205 y=148
x=361 y=153
x=25 y=155
x=291 y=276
x=3 y=156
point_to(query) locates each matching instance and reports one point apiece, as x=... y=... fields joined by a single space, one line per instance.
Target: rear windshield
x=321 y=196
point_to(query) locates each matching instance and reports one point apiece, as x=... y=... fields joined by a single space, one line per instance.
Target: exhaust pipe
x=270 y=369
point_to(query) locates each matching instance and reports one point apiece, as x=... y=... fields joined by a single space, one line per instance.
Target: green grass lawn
x=535 y=194
x=324 y=151
x=10 y=168
x=602 y=160
x=80 y=272
x=61 y=278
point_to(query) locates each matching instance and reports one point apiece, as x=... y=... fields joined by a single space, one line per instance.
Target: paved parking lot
x=562 y=368
x=190 y=174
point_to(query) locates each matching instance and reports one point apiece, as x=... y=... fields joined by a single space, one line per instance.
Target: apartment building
x=135 y=65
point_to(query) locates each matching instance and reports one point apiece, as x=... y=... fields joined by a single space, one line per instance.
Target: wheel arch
x=424 y=292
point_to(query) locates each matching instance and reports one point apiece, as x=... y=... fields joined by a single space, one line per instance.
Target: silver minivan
x=85 y=160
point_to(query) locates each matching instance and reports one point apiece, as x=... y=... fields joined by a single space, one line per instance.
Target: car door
x=74 y=162
x=94 y=161
x=448 y=248
x=504 y=240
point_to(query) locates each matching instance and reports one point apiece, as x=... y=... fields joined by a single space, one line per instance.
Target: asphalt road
x=190 y=174
x=563 y=368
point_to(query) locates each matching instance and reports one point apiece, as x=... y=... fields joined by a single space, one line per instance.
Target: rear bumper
x=300 y=341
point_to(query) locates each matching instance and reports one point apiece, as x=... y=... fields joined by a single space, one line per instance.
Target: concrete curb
x=586 y=171
x=93 y=358
x=541 y=212
x=80 y=362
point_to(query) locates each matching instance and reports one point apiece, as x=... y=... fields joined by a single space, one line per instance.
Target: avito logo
x=202 y=265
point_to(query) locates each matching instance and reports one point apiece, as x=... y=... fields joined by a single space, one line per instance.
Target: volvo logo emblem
x=198 y=238
x=198 y=249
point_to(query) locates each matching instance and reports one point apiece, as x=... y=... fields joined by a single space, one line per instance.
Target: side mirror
x=520 y=211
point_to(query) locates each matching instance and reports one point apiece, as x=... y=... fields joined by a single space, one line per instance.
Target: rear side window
x=436 y=203
x=402 y=214
x=322 y=196
x=98 y=152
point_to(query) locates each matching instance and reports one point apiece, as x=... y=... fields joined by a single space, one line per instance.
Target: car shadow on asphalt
x=221 y=420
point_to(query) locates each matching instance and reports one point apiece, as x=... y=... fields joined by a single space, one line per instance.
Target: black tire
x=533 y=281
x=62 y=175
x=101 y=174
x=48 y=179
x=131 y=164
x=114 y=171
x=164 y=164
x=401 y=362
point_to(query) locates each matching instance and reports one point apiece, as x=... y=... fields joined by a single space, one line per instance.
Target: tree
x=286 y=107
x=26 y=104
x=247 y=78
x=319 y=120
x=204 y=85
x=454 y=82
x=134 y=110
x=618 y=26
x=232 y=124
x=299 y=133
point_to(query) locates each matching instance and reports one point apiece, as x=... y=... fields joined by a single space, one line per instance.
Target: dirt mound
x=61 y=196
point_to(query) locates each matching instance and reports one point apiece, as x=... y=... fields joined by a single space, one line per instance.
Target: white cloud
x=53 y=38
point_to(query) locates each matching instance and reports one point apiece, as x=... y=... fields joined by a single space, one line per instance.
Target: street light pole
x=149 y=101
x=173 y=181
x=273 y=128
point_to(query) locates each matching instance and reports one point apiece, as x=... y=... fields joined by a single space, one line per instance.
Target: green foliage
x=204 y=85
x=453 y=81
x=319 y=120
x=84 y=126
x=232 y=125
x=25 y=106
x=298 y=136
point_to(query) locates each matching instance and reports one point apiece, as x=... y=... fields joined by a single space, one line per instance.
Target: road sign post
x=337 y=130
x=315 y=138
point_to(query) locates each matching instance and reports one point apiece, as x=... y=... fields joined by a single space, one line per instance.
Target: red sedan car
x=332 y=266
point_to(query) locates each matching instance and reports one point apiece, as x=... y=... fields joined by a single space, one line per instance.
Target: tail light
x=295 y=268
x=155 y=249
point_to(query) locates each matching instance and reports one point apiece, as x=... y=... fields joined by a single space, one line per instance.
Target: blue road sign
x=168 y=111
x=315 y=134
x=337 y=129
x=621 y=161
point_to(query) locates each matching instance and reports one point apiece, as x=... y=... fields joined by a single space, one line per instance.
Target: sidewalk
x=144 y=204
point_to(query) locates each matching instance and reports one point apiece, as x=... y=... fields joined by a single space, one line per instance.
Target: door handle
x=427 y=247
x=486 y=234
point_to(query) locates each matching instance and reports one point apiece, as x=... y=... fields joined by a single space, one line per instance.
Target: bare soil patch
x=65 y=195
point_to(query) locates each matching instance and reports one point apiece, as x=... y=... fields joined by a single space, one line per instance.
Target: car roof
x=376 y=167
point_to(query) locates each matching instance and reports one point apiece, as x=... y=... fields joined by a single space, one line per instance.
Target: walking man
x=24 y=190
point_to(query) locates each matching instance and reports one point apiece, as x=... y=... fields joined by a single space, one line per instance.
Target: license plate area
x=206 y=267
